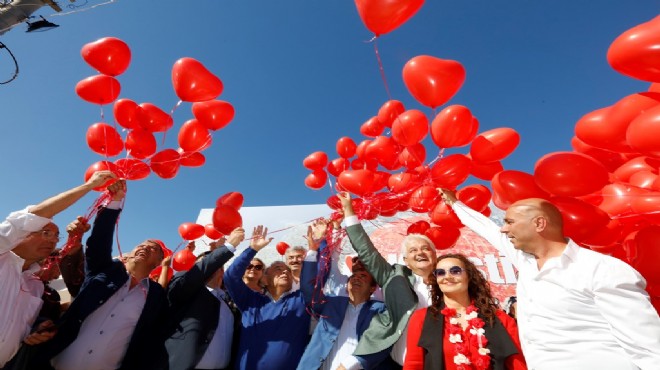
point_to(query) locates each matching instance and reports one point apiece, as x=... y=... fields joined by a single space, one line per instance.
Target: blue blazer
x=103 y=277
x=332 y=312
x=193 y=317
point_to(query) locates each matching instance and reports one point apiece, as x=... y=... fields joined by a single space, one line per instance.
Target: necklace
x=463 y=345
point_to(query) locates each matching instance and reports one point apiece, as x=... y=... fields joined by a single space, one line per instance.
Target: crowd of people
x=575 y=309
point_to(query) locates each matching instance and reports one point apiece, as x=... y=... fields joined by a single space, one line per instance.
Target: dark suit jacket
x=103 y=277
x=194 y=310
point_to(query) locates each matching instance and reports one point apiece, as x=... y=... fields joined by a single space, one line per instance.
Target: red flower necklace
x=477 y=339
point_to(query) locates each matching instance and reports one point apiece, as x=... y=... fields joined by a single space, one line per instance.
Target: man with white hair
x=404 y=287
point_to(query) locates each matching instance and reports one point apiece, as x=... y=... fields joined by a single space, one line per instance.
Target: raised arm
x=58 y=203
x=184 y=286
x=72 y=264
x=375 y=263
x=243 y=296
x=98 y=253
x=482 y=225
x=308 y=276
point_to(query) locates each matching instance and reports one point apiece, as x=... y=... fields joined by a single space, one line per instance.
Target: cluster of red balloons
x=608 y=187
x=391 y=173
x=192 y=82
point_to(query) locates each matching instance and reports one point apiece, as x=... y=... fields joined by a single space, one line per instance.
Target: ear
x=541 y=223
x=373 y=289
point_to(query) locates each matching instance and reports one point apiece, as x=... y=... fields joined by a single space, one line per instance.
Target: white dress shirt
x=347 y=340
x=21 y=290
x=218 y=353
x=582 y=310
x=105 y=334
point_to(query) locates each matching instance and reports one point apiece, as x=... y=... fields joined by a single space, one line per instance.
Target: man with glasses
x=254 y=272
x=404 y=287
x=579 y=309
x=275 y=325
x=27 y=237
x=116 y=321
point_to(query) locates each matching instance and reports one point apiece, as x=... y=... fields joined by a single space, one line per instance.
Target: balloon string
x=102 y=114
x=333 y=239
x=380 y=67
x=175 y=107
x=179 y=246
x=73 y=239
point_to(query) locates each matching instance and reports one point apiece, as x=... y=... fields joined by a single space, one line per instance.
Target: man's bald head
x=537 y=207
x=531 y=223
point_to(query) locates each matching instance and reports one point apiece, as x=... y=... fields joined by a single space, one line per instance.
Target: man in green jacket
x=404 y=287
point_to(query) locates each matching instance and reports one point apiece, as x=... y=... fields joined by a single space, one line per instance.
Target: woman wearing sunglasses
x=463 y=328
x=254 y=272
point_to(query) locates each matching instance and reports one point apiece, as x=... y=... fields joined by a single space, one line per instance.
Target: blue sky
x=300 y=75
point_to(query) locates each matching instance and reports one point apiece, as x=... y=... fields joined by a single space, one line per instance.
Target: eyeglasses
x=255 y=267
x=453 y=271
x=50 y=234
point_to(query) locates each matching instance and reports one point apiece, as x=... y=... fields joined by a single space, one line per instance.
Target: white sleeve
x=17 y=226
x=351 y=363
x=620 y=297
x=487 y=229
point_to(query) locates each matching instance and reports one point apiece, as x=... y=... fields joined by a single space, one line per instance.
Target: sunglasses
x=453 y=271
x=255 y=267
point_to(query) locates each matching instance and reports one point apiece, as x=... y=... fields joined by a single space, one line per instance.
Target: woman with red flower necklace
x=463 y=329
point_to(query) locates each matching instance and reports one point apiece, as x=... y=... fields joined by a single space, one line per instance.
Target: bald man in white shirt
x=577 y=309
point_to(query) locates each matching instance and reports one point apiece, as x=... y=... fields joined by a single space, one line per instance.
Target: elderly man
x=342 y=320
x=116 y=320
x=202 y=320
x=294 y=258
x=27 y=237
x=578 y=309
x=275 y=325
x=404 y=287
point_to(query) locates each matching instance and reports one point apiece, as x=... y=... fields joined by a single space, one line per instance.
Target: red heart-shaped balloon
x=192 y=82
x=383 y=16
x=109 y=55
x=433 y=81
x=358 y=182
x=99 y=89
x=213 y=114
x=636 y=52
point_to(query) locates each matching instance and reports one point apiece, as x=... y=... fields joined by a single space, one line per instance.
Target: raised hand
x=316 y=232
x=346 y=203
x=236 y=236
x=218 y=243
x=99 y=178
x=449 y=196
x=117 y=189
x=259 y=240
x=167 y=261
